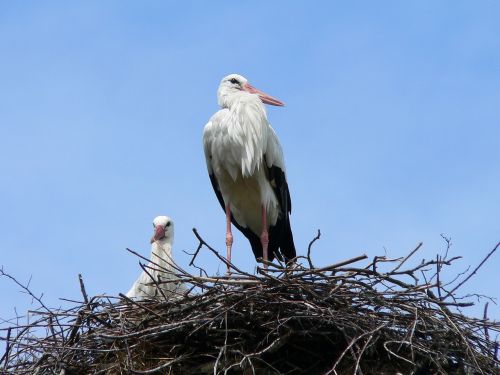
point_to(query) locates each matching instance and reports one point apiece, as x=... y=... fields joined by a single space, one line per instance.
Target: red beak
x=159 y=234
x=268 y=99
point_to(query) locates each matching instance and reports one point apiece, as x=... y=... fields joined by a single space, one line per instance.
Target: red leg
x=264 y=237
x=229 y=235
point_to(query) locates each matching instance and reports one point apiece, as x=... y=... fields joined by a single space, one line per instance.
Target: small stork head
x=235 y=85
x=163 y=229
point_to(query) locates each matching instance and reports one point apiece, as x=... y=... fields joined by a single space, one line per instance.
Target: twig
x=438 y=282
x=350 y=345
x=26 y=289
x=82 y=289
x=485 y=318
x=407 y=257
x=331 y=267
x=309 y=248
x=215 y=252
x=473 y=272
x=7 y=350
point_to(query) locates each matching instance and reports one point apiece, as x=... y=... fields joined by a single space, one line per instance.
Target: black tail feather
x=281 y=240
x=281 y=243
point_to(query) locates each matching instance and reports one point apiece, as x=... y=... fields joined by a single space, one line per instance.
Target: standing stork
x=247 y=170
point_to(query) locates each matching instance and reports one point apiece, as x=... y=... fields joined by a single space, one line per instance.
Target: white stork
x=161 y=267
x=247 y=170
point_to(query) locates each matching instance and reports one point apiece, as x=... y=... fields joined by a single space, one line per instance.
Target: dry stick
x=82 y=288
x=458 y=277
x=19 y=334
x=333 y=369
x=224 y=280
x=7 y=350
x=353 y=352
x=155 y=282
x=438 y=282
x=309 y=248
x=394 y=354
x=407 y=257
x=26 y=289
x=383 y=259
x=200 y=245
x=139 y=305
x=412 y=332
x=448 y=244
x=362 y=350
x=158 y=368
x=224 y=260
x=129 y=355
x=79 y=319
x=38 y=299
x=76 y=327
x=473 y=272
x=485 y=318
x=161 y=268
x=201 y=270
x=278 y=267
x=171 y=263
x=329 y=268
x=487 y=334
x=146 y=259
x=425 y=264
x=223 y=347
x=447 y=315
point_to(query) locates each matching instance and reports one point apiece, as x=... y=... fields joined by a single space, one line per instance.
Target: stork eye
x=234 y=80
x=168 y=224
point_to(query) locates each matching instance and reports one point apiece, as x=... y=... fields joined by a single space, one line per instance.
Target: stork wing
x=281 y=236
x=207 y=144
x=276 y=171
x=208 y=136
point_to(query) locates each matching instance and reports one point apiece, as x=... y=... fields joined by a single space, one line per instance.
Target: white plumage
x=246 y=166
x=161 y=266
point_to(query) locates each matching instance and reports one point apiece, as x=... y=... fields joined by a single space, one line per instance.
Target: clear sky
x=391 y=131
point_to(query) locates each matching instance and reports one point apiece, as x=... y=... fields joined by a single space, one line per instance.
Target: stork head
x=233 y=86
x=163 y=229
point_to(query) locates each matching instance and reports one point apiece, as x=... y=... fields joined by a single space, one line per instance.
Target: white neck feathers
x=161 y=253
x=247 y=129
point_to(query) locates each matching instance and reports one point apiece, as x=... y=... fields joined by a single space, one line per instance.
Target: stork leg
x=229 y=236
x=264 y=237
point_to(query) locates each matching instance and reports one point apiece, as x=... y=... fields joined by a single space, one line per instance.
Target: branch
x=473 y=272
x=309 y=248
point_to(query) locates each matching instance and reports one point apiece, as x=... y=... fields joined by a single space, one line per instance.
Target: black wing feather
x=280 y=235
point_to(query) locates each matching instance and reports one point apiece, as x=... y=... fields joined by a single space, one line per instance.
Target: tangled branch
x=338 y=319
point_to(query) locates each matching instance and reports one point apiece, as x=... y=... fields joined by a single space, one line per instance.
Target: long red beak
x=159 y=234
x=268 y=99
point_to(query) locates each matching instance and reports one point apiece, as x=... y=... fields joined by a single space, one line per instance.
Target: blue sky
x=391 y=131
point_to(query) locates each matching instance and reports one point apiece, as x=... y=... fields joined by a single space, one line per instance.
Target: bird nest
x=382 y=317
